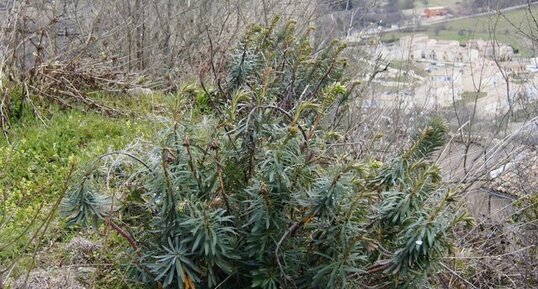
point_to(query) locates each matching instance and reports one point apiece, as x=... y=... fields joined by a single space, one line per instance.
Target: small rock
x=139 y=91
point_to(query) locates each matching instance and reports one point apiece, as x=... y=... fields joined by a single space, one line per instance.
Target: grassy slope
x=37 y=161
x=507 y=29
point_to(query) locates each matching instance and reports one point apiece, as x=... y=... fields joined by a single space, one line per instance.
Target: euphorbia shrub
x=261 y=193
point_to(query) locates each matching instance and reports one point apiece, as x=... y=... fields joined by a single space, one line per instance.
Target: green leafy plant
x=262 y=195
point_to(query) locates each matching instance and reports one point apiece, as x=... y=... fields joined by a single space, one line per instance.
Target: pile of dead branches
x=69 y=84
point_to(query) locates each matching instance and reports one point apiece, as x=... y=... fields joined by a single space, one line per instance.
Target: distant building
x=492 y=49
x=515 y=68
x=422 y=48
x=435 y=11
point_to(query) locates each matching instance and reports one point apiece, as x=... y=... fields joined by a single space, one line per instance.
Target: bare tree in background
x=155 y=36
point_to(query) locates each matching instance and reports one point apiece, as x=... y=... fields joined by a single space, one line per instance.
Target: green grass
x=509 y=29
x=432 y=3
x=37 y=161
x=407 y=66
x=471 y=95
x=419 y=4
x=39 y=158
x=43 y=152
x=41 y=155
x=468 y=97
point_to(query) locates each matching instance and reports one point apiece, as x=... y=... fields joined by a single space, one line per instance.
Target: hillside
x=250 y=144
